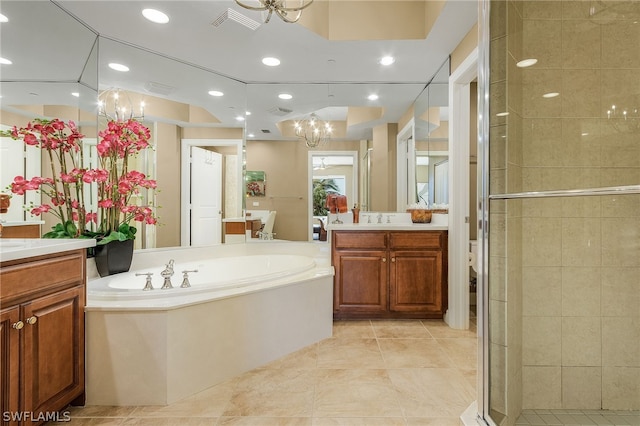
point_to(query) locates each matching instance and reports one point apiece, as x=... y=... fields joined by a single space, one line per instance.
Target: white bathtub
x=249 y=304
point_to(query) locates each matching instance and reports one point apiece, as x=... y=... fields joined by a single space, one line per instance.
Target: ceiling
x=187 y=57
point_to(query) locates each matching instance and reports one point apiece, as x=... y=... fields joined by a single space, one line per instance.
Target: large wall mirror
x=431 y=121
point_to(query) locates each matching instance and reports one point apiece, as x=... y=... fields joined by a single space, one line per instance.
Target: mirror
x=431 y=118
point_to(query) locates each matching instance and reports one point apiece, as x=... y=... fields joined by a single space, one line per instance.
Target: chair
x=266 y=233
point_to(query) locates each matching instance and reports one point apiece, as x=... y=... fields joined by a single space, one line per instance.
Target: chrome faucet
x=389 y=216
x=185 y=278
x=147 y=285
x=379 y=217
x=167 y=274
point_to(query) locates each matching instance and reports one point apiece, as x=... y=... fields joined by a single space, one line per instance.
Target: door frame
x=185 y=179
x=355 y=177
x=457 y=315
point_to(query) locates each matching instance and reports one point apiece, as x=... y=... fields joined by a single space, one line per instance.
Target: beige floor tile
x=355 y=393
x=264 y=421
x=87 y=421
x=353 y=329
x=463 y=351
x=358 y=421
x=170 y=421
x=413 y=353
x=432 y=392
x=306 y=358
x=100 y=411
x=208 y=403
x=399 y=329
x=433 y=421
x=349 y=353
x=439 y=329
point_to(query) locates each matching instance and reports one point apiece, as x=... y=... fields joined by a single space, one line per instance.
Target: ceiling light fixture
x=156 y=16
x=271 y=62
x=115 y=105
x=373 y=97
x=387 y=60
x=5 y=61
x=527 y=63
x=285 y=96
x=282 y=8
x=3 y=18
x=314 y=132
x=118 y=67
x=75 y=94
x=551 y=95
x=216 y=93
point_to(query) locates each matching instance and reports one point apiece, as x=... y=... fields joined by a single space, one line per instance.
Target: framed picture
x=255 y=184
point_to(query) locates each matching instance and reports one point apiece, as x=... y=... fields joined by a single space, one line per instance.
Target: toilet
x=473 y=254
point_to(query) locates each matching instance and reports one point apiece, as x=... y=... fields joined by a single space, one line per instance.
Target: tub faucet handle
x=185 y=278
x=147 y=284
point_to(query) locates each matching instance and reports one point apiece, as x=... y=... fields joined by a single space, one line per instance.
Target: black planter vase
x=114 y=257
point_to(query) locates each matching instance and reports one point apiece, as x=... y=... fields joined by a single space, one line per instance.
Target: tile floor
x=411 y=372
x=578 y=418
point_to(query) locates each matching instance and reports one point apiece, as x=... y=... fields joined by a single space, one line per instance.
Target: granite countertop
x=21 y=248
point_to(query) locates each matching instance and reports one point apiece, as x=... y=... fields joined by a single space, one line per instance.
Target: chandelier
x=313 y=131
x=288 y=10
x=115 y=105
x=624 y=120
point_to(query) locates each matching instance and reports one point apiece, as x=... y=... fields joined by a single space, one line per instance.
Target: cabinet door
x=9 y=363
x=360 y=281
x=416 y=281
x=53 y=369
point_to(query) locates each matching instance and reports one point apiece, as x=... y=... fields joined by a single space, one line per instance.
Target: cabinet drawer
x=373 y=240
x=416 y=239
x=22 y=279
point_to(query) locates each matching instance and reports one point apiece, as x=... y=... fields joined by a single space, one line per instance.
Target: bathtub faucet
x=185 y=278
x=167 y=274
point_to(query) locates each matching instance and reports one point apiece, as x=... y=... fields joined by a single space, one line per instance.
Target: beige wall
x=383 y=168
x=167 y=138
x=286 y=166
x=464 y=48
x=573 y=262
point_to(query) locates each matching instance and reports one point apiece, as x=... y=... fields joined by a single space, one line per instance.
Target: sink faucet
x=379 y=217
x=167 y=273
x=389 y=216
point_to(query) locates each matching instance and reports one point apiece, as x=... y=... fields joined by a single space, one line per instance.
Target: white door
x=206 y=197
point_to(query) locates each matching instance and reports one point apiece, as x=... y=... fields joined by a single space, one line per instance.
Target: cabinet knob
x=32 y=320
x=384 y=259
x=18 y=325
x=393 y=259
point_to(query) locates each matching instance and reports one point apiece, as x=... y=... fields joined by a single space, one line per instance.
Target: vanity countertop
x=20 y=248
x=388 y=227
x=21 y=223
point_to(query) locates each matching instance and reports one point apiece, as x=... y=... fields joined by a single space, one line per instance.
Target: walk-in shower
x=559 y=87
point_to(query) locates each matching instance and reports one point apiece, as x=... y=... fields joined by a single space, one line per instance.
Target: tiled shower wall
x=569 y=267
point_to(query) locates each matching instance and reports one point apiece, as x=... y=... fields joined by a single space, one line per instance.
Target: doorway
x=337 y=167
x=232 y=189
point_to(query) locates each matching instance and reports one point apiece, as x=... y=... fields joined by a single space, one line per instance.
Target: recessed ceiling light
x=118 y=67
x=527 y=63
x=240 y=118
x=247 y=113
x=502 y=114
x=285 y=96
x=551 y=95
x=155 y=16
x=76 y=94
x=251 y=135
x=216 y=93
x=585 y=134
x=387 y=60
x=372 y=97
x=271 y=62
x=5 y=61
x=3 y=18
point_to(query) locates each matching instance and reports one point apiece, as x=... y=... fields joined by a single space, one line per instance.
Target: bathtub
x=248 y=305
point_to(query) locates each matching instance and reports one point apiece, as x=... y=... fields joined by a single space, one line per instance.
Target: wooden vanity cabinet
x=389 y=274
x=42 y=335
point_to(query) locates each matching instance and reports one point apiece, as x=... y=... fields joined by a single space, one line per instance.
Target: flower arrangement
x=65 y=189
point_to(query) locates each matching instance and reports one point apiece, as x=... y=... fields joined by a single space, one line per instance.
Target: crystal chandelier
x=313 y=131
x=115 y=105
x=288 y=10
x=625 y=120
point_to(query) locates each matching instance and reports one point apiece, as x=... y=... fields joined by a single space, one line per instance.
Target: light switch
x=256 y=203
